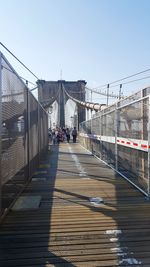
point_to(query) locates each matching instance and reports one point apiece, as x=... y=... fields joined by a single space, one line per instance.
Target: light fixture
x=50 y=110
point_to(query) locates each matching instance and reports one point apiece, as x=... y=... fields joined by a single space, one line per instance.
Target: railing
x=23 y=128
x=120 y=136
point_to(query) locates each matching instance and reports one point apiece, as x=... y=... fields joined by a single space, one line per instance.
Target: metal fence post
x=116 y=133
x=28 y=132
x=91 y=140
x=91 y=122
x=100 y=133
x=0 y=133
x=148 y=187
x=39 y=134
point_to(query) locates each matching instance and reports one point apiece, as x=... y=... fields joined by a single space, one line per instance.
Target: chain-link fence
x=120 y=136
x=23 y=132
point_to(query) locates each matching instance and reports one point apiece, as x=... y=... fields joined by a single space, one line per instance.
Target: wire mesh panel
x=33 y=133
x=108 y=137
x=96 y=126
x=108 y=125
x=133 y=125
x=23 y=133
x=13 y=122
x=43 y=126
x=120 y=135
x=95 y=131
x=133 y=120
x=134 y=165
x=85 y=127
x=108 y=153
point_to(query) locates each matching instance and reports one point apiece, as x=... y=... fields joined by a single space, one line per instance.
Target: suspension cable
x=100 y=93
x=122 y=79
x=18 y=60
x=140 y=79
x=12 y=71
x=88 y=105
x=50 y=101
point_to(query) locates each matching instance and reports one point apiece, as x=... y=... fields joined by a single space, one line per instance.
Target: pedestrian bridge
x=84 y=214
x=76 y=204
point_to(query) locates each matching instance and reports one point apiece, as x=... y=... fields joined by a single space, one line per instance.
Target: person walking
x=68 y=135
x=74 y=135
x=53 y=137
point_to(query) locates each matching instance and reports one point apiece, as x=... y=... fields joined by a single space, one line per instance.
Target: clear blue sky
x=96 y=40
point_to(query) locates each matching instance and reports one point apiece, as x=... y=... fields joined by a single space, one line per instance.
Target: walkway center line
x=77 y=163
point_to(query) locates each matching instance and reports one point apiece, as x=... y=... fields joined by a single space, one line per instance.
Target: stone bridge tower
x=48 y=91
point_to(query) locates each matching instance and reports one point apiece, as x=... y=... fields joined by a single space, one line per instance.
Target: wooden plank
x=66 y=230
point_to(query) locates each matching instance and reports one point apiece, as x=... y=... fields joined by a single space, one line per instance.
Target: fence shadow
x=26 y=237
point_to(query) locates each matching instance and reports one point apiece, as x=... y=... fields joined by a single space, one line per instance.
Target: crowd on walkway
x=62 y=135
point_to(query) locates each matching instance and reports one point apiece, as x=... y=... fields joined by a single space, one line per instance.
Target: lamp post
x=50 y=110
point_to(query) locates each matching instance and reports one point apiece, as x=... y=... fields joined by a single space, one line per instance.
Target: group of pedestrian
x=62 y=134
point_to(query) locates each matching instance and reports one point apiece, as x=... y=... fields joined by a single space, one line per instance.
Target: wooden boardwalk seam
x=68 y=229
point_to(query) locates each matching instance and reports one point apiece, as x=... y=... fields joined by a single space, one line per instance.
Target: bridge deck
x=69 y=228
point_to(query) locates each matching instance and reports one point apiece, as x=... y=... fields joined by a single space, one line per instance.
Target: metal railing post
x=0 y=133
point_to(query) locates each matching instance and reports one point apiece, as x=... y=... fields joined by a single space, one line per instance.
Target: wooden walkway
x=72 y=227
